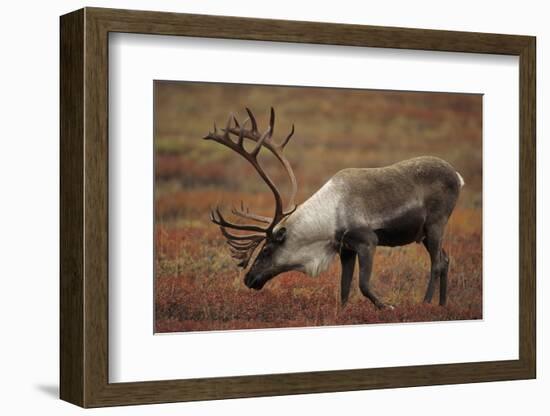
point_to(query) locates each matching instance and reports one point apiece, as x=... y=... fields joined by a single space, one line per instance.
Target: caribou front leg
x=347 y=260
x=364 y=241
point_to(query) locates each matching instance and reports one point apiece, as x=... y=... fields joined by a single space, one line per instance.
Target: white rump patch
x=460 y=179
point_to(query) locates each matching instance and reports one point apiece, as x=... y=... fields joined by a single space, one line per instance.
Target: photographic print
x=292 y=206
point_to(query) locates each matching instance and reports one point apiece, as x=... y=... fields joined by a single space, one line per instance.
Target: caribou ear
x=280 y=235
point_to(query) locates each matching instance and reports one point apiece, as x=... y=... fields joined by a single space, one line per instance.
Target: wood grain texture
x=71 y=213
x=96 y=214
x=84 y=207
x=527 y=207
x=162 y=23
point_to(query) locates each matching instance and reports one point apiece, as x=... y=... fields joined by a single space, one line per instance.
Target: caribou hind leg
x=443 y=279
x=347 y=260
x=439 y=264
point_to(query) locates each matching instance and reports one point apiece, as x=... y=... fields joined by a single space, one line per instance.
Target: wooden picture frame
x=84 y=207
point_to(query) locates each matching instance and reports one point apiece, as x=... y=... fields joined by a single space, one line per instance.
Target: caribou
x=357 y=210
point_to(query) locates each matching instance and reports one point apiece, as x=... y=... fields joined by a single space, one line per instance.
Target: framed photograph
x=255 y=207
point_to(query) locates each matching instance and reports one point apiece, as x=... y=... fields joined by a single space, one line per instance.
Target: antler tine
x=248 y=215
x=253 y=120
x=285 y=141
x=244 y=263
x=242 y=237
x=227 y=127
x=239 y=245
x=217 y=218
x=272 y=121
x=260 y=142
x=239 y=255
x=242 y=132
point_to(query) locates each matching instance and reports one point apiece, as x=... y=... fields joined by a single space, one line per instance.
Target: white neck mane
x=310 y=232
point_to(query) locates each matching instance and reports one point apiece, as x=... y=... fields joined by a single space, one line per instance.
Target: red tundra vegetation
x=197 y=284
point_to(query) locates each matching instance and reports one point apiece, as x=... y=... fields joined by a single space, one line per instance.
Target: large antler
x=244 y=245
x=275 y=148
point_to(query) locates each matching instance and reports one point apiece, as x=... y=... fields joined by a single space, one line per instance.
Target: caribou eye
x=280 y=235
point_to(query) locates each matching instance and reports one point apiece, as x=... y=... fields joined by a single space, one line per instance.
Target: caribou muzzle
x=253 y=281
x=260 y=274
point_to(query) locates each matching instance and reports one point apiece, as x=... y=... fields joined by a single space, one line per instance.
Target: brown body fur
x=399 y=201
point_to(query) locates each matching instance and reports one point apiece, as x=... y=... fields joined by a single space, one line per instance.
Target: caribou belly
x=402 y=229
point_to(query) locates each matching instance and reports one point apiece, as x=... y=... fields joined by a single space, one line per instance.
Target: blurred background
x=198 y=286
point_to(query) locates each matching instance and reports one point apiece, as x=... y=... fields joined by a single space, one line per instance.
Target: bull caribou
x=357 y=210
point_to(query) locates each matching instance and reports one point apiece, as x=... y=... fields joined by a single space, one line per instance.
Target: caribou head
x=263 y=231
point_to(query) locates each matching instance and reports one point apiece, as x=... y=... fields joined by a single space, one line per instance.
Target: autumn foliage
x=197 y=284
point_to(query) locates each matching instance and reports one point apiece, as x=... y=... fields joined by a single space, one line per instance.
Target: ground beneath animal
x=204 y=291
